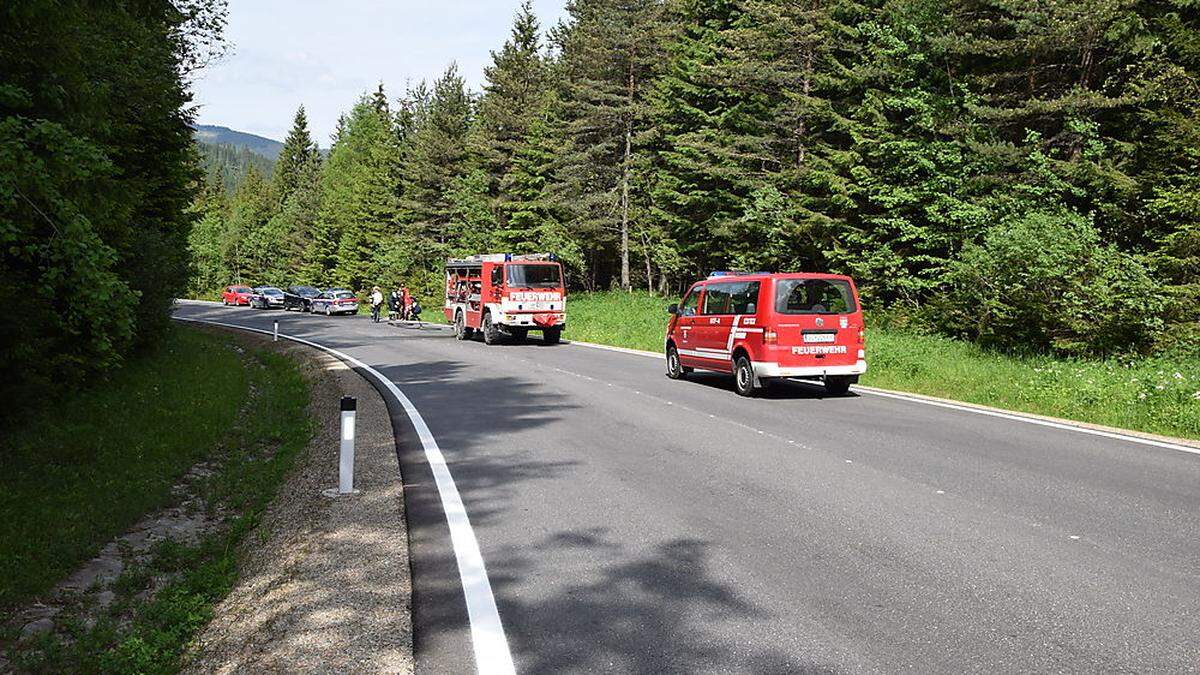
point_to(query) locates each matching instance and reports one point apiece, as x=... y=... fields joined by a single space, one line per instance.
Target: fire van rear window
x=813 y=296
x=533 y=276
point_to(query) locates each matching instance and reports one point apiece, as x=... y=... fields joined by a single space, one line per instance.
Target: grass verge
x=1155 y=395
x=82 y=471
x=254 y=447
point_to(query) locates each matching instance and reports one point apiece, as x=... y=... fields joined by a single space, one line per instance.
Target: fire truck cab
x=762 y=326
x=505 y=295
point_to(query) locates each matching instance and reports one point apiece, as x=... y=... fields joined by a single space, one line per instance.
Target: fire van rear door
x=816 y=322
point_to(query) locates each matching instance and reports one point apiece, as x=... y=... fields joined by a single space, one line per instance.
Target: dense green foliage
x=1157 y=395
x=97 y=168
x=1019 y=173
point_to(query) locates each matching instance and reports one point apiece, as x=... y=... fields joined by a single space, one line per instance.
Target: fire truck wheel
x=743 y=376
x=491 y=334
x=551 y=336
x=461 y=332
x=837 y=384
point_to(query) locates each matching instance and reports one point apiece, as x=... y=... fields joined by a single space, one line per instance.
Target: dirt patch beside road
x=324 y=583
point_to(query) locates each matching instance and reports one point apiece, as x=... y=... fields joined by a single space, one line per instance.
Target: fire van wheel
x=551 y=336
x=837 y=384
x=743 y=376
x=675 y=370
x=491 y=334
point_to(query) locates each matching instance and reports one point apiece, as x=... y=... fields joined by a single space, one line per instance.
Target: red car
x=237 y=295
x=760 y=327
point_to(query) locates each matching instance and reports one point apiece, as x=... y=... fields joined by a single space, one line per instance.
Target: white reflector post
x=346 y=465
x=275 y=336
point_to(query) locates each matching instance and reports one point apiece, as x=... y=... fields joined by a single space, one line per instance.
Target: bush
x=1045 y=281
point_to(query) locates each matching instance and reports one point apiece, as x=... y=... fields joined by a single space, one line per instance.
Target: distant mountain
x=214 y=135
x=231 y=162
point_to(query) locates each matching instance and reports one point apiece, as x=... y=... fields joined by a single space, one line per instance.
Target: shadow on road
x=777 y=390
x=639 y=613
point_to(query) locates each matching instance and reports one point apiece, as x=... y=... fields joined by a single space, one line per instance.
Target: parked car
x=267 y=297
x=236 y=295
x=335 y=301
x=299 y=297
x=763 y=327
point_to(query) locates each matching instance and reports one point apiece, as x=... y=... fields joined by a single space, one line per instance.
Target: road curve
x=630 y=523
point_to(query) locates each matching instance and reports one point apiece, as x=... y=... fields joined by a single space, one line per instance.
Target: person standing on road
x=395 y=308
x=376 y=303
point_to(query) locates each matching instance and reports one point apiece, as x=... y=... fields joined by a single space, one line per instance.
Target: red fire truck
x=762 y=326
x=505 y=295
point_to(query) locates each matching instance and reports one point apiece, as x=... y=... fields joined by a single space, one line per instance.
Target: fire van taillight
x=770 y=337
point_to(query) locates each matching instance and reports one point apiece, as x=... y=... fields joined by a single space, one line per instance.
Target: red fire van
x=764 y=326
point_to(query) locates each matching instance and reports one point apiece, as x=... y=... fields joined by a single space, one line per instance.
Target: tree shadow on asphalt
x=655 y=612
x=776 y=391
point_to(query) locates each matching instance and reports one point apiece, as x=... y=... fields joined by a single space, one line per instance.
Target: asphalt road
x=630 y=523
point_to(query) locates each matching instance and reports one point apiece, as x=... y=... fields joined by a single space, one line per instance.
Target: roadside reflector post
x=349 y=408
x=275 y=336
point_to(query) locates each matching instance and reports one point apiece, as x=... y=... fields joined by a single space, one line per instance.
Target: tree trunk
x=625 y=285
x=806 y=87
x=649 y=270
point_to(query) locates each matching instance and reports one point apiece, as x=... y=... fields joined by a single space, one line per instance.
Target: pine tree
x=209 y=271
x=435 y=157
x=245 y=251
x=610 y=53
x=513 y=93
x=298 y=152
x=358 y=204
x=533 y=220
x=710 y=136
x=295 y=226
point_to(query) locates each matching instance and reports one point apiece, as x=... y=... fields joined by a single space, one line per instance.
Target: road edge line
x=1166 y=442
x=492 y=654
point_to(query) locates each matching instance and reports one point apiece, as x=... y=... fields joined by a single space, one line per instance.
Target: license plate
x=819 y=337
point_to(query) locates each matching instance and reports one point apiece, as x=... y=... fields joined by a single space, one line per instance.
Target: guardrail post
x=349 y=408
x=346 y=467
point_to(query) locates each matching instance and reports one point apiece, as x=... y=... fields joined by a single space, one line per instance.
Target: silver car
x=267 y=297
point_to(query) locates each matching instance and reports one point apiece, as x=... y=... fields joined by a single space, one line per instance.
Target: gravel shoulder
x=324 y=583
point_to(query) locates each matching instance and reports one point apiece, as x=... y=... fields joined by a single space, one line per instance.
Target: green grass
x=1156 y=395
x=636 y=320
x=254 y=453
x=82 y=471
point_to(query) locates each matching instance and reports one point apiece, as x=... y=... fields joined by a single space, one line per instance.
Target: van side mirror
x=672 y=309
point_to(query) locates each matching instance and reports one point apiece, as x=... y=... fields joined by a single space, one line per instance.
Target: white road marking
x=1074 y=536
x=1065 y=425
x=492 y=655
x=941 y=492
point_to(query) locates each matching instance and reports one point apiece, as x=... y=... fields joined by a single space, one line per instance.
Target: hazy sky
x=325 y=54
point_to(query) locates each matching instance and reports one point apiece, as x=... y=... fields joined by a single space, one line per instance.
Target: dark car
x=266 y=297
x=299 y=297
x=335 y=301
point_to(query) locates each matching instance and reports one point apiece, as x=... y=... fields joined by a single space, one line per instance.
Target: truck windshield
x=813 y=296
x=533 y=276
